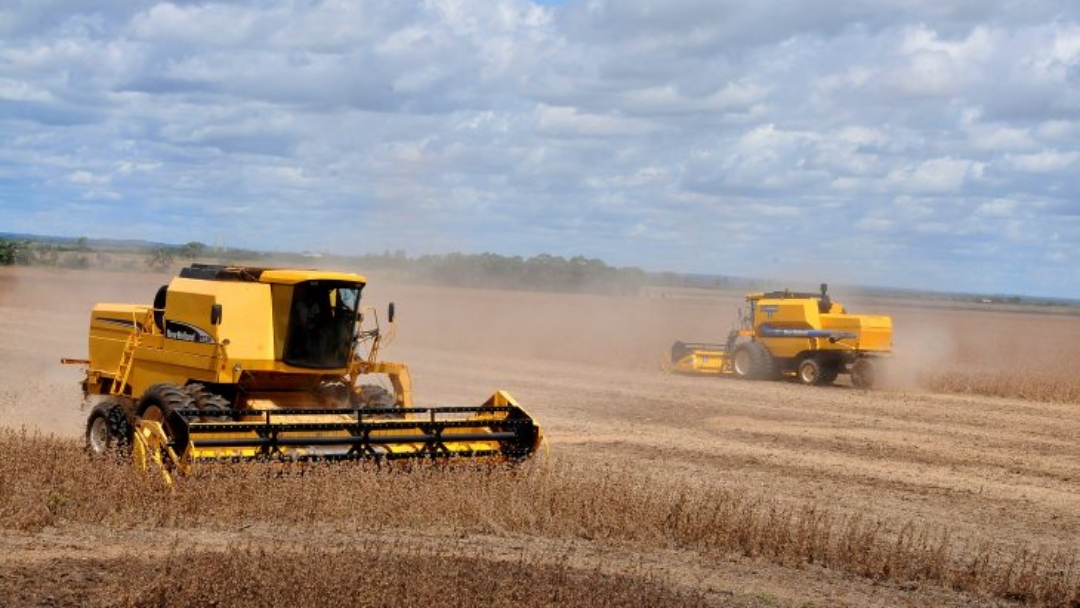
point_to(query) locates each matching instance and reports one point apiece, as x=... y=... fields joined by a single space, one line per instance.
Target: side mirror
x=390 y=312
x=215 y=314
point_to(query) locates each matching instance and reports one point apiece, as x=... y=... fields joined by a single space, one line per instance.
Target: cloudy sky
x=918 y=143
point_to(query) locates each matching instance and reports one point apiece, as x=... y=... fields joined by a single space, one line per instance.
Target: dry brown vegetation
x=660 y=489
x=43 y=483
x=1019 y=354
x=357 y=574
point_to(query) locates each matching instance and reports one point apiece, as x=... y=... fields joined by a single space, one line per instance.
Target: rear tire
x=863 y=374
x=815 y=372
x=108 y=430
x=753 y=362
x=809 y=372
x=830 y=372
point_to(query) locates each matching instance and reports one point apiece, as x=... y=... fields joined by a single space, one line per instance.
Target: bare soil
x=981 y=468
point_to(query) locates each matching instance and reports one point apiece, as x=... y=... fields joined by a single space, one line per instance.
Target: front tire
x=753 y=362
x=212 y=407
x=160 y=403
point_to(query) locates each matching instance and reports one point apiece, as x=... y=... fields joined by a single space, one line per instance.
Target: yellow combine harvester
x=805 y=334
x=236 y=363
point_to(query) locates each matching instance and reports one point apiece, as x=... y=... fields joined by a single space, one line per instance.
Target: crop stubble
x=945 y=499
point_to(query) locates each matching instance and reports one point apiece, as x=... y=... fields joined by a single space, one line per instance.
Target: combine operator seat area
x=320 y=322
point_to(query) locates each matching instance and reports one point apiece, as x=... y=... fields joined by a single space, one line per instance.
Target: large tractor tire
x=212 y=407
x=817 y=372
x=863 y=374
x=160 y=403
x=108 y=430
x=753 y=362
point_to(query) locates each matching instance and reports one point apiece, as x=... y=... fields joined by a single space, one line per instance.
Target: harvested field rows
x=682 y=490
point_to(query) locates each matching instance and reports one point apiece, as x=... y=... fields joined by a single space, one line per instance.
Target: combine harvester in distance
x=786 y=333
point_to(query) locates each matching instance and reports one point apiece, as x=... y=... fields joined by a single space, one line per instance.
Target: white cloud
x=15 y=90
x=1044 y=162
x=571 y=122
x=86 y=177
x=127 y=167
x=875 y=224
x=999 y=208
x=937 y=175
x=630 y=129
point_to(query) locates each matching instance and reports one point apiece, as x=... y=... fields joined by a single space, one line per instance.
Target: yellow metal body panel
x=110 y=327
x=158 y=362
x=246 y=317
x=788 y=314
x=288 y=276
x=872 y=333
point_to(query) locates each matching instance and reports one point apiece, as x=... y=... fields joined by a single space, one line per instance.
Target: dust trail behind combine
x=43 y=318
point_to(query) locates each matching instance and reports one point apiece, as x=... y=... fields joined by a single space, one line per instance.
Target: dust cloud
x=44 y=315
x=922 y=344
x=607 y=331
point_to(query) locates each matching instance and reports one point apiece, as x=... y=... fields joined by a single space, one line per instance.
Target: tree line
x=538 y=273
x=542 y=272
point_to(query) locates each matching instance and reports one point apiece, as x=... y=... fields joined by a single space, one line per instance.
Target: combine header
x=239 y=363
x=783 y=332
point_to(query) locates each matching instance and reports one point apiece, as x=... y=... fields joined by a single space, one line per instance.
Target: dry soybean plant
x=49 y=482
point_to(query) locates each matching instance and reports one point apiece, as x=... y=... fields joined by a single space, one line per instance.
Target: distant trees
x=160 y=258
x=192 y=250
x=14 y=253
x=543 y=272
x=45 y=254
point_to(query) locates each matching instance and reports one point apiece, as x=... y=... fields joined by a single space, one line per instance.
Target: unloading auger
x=236 y=363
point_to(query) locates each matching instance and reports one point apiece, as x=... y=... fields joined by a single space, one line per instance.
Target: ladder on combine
x=123 y=370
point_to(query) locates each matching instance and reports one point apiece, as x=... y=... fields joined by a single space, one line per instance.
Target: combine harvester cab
x=241 y=363
x=806 y=335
